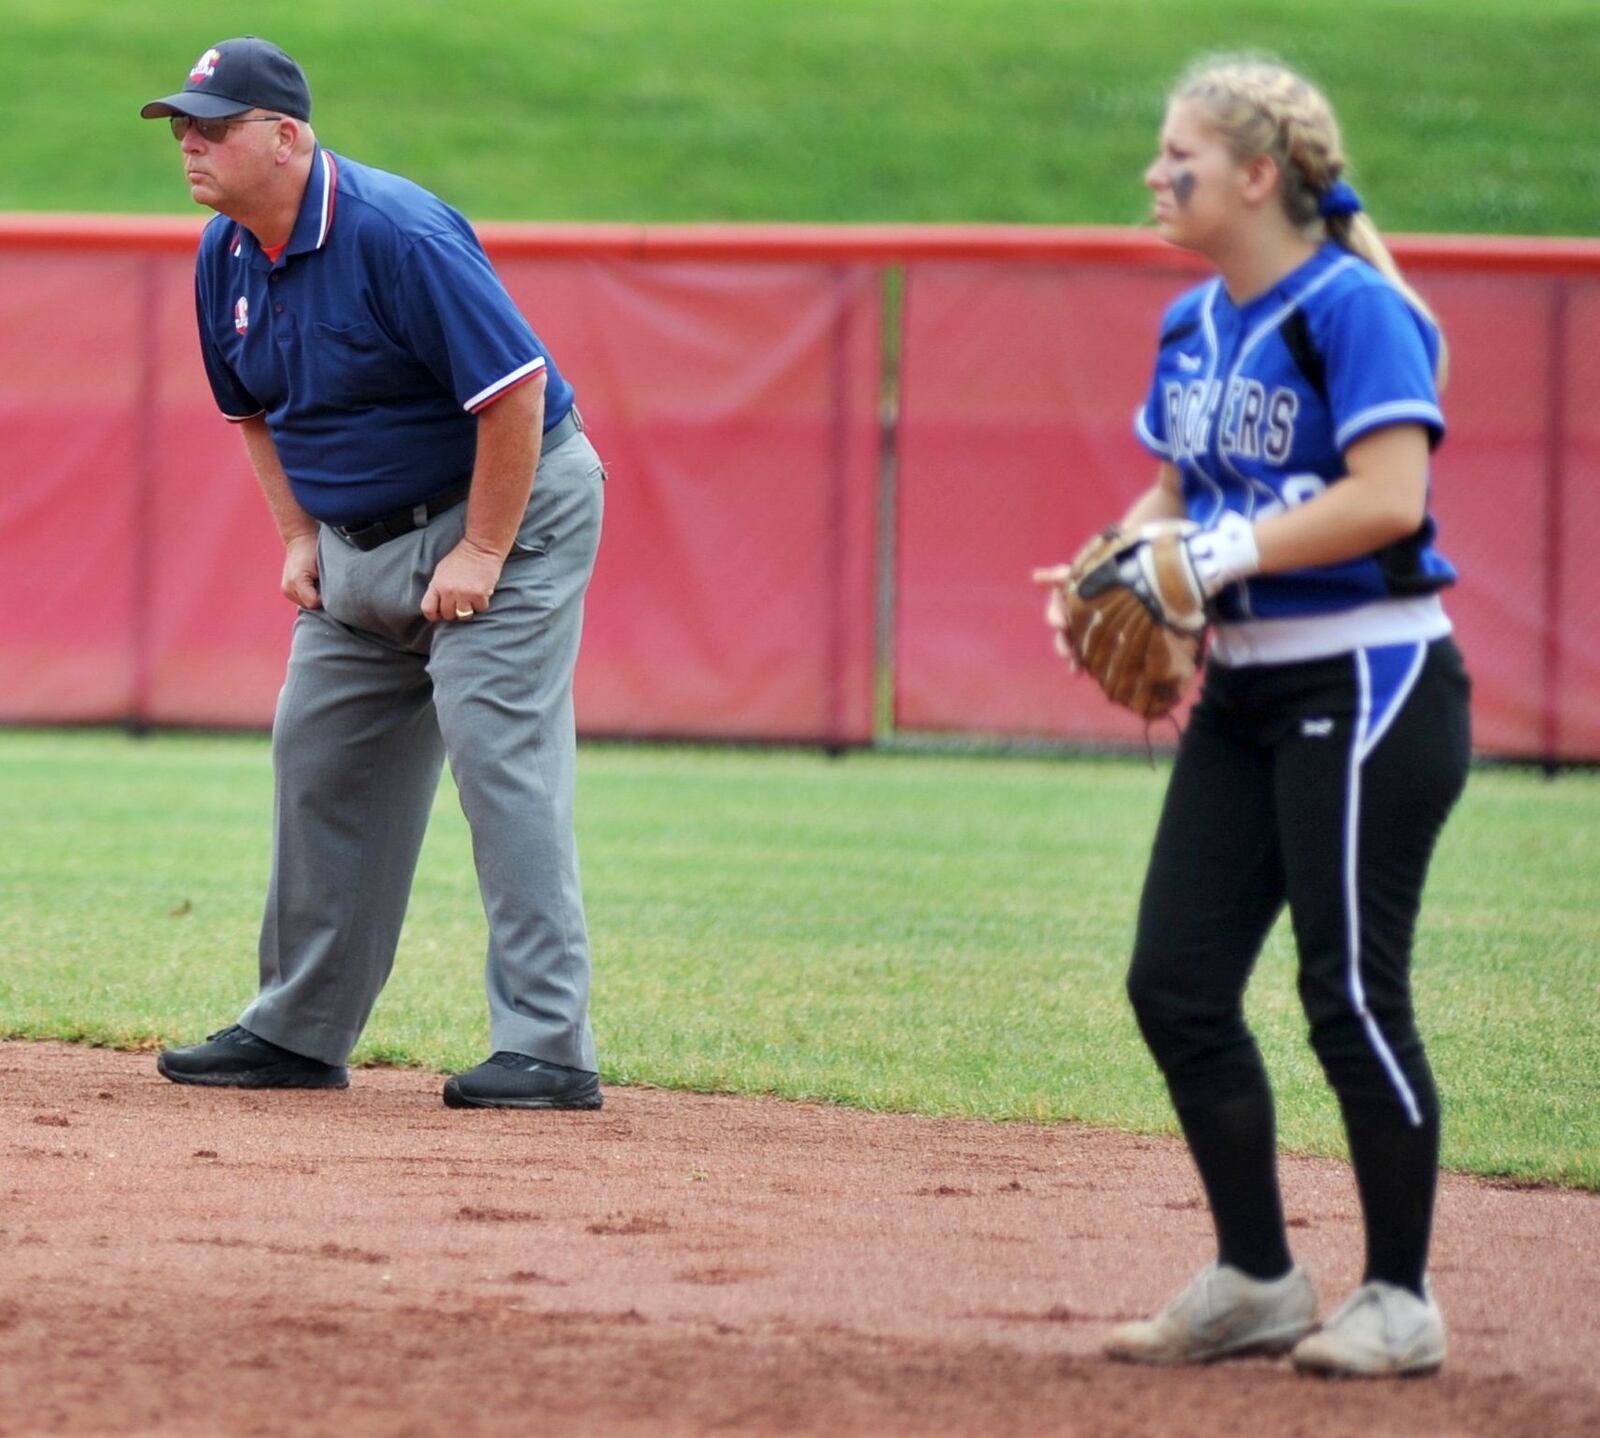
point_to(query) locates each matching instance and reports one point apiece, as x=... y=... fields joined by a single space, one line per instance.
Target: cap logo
x=241 y=314
x=205 y=67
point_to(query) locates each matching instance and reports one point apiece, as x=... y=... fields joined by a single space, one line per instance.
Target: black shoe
x=236 y=1058
x=508 y=1080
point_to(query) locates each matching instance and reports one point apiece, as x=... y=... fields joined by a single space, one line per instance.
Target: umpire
x=394 y=405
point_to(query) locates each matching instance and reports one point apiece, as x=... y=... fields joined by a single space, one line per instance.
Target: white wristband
x=1225 y=554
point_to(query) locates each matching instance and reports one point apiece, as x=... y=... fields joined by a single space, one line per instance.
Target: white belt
x=1316 y=636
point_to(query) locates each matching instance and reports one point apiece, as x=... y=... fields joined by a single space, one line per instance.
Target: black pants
x=1322 y=785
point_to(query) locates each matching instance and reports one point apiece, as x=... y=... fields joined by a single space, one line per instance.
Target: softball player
x=1293 y=412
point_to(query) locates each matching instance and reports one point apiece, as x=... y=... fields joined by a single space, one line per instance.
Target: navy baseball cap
x=238 y=75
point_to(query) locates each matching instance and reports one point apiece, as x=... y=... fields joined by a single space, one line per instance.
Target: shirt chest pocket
x=346 y=364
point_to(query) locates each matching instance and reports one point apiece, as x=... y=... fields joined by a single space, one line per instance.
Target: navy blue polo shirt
x=369 y=346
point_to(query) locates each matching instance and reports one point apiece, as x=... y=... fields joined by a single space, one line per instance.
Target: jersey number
x=1296 y=490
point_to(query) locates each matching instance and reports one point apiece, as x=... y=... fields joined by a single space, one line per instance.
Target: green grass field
x=940 y=935
x=1462 y=115
x=933 y=934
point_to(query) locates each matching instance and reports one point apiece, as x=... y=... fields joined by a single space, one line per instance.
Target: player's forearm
x=1342 y=523
x=1382 y=499
x=509 y=432
x=292 y=521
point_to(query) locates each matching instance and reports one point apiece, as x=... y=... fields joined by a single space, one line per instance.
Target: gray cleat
x=1223 y=1313
x=1380 y=1331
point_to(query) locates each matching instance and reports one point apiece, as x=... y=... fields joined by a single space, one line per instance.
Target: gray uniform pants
x=375 y=699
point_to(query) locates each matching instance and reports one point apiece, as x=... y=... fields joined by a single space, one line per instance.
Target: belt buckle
x=365 y=536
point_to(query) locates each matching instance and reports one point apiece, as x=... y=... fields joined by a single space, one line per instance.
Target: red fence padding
x=1019 y=390
x=731 y=377
x=828 y=244
x=735 y=406
x=736 y=410
x=1019 y=387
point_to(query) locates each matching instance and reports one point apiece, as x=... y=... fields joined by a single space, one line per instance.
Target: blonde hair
x=1261 y=107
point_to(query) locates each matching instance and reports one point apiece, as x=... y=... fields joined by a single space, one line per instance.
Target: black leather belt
x=391 y=526
x=402 y=521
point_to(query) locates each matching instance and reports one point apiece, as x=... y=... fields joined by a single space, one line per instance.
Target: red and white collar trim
x=330 y=187
x=325 y=204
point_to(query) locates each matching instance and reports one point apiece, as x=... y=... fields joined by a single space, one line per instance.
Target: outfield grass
x=939 y=935
x=1462 y=115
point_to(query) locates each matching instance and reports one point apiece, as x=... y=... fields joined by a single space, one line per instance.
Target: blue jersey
x=1256 y=404
x=370 y=343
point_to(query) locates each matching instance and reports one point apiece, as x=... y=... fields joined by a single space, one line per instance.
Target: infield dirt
x=184 y=1261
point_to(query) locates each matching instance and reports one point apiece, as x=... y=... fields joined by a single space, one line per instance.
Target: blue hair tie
x=1340 y=200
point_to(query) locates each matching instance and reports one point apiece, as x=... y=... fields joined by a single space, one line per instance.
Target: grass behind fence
x=938 y=935
x=1462 y=115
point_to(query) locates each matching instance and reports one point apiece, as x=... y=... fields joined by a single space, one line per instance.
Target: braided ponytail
x=1261 y=107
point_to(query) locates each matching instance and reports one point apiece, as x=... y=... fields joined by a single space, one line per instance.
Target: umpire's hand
x=300 y=573
x=462 y=583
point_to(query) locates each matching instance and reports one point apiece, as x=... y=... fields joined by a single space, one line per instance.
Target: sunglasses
x=214 y=132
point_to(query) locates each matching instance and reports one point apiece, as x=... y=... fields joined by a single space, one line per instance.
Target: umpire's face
x=230 y=163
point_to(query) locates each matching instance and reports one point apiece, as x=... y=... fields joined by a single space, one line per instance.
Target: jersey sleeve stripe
x=241 y=418
x=1142 y=432
x=500 y=386
x=1399 y=411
